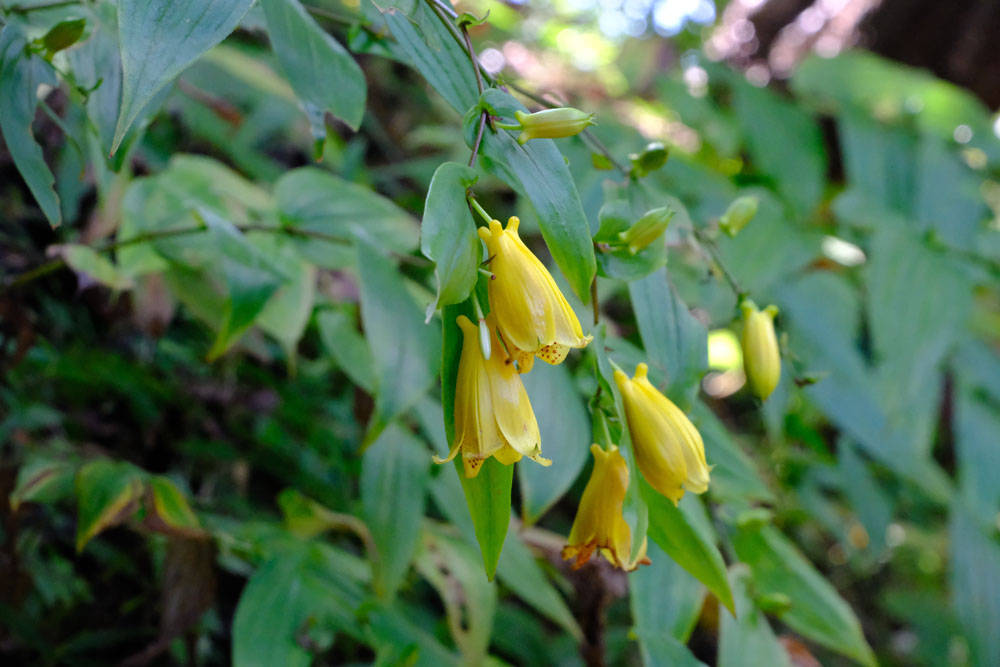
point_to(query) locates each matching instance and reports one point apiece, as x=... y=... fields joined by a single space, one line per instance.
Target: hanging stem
x=477 y=207
x=713 y=253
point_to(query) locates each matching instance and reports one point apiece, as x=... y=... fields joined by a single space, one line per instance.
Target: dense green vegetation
x=236 y=237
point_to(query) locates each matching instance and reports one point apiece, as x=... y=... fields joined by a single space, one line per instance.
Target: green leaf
x=734 y=475
x=450 y=565
x=312 y=200
x=975 y=580
x=301 y=591
x=565 y=430
x=42 y=480
x=488 y=497
x=664 y=597
x=661 y=650
x=404 y=348
x=784 y=142
x=519 y=572
x=286 y=314
x=159 y=39
x=21 y=74
x=424 y=41
x=63 y=35
x=538 y=171
x=863 y=82
x=340 y=337
x=747 y=639
x=321 y=71
x=673 y=338
x=168 y=510
x=448 y=233
x=107 y=493
x=251 y=278
x=685 y=535
x=817 y=610
x=95 y=266
x=394 y=476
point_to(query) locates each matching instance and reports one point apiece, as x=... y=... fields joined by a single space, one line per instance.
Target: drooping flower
x=532 y=314
x=492 y=414
x=552 y=123
x=668 y=448
x=599 y=523
x=761 y=358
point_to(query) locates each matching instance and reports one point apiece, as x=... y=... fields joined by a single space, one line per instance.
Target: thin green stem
x=507 y=126
x=477 y=207
x=716 y=258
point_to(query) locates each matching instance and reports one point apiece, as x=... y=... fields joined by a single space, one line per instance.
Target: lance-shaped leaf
x=404 y=348
x=20 y=76
x=159 y=38
x=251 y=278
x=448 y=233
x=321 y=71
x=42 y=480
x=168 y=511
x=674 y=340
x=816 y=610
x=107 y=493
x=685 y=534
x=394 y=473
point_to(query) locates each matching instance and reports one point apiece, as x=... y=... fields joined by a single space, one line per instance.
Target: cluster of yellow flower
x=529 y=317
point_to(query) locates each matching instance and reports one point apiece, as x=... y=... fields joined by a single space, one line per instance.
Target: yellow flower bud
x=761 y=359
x=739 y=213
x=599 y=523
x=493 y=416
x=531 y=312
x=668 y=448
x=647 y=229
x=552 y=123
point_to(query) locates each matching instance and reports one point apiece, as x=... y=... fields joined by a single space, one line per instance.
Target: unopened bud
x=774 y=603
x=761 y=359
x=652 y=157
x=647 y=229
x=552 y=123
x=739 y=213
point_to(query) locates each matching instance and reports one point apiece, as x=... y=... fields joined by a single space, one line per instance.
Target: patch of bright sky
x=631 y=18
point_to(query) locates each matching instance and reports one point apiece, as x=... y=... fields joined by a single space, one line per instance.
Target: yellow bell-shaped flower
x=668 y=448
x=492 y=414
x=599 y=523
x=761 y=358
x=532 y=314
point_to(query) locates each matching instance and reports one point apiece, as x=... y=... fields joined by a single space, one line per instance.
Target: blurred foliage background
x=219 y=396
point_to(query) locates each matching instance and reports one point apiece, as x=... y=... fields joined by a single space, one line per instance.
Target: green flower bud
x=648 y=228
x=739 y=213
x=761 y=359
x=652 y=157
x=774 y=603
x=552 y=123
